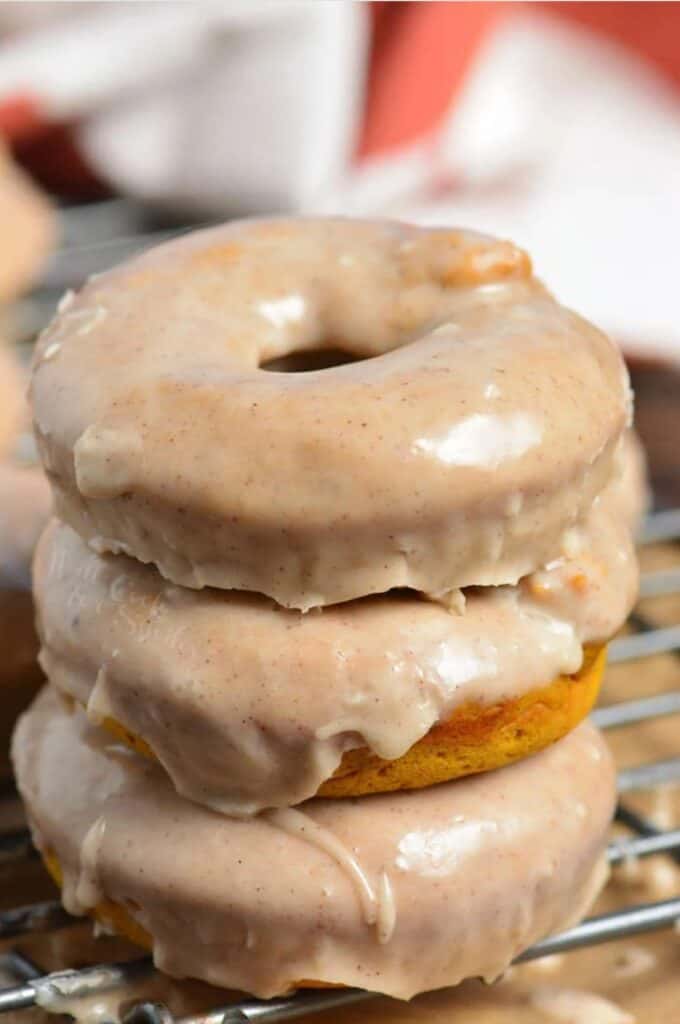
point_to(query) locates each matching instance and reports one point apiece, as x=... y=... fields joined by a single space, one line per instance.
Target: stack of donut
x=321 y=644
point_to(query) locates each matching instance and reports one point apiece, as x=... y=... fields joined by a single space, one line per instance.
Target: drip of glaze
x=103 y=1008
x=377 y=902
x=387 y=910
x=298 y=824
x=88 y=893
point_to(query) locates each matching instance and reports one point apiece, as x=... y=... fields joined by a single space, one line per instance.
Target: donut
x=248 y=705
x=28 y=229
x=476 y=425
x=349 y=892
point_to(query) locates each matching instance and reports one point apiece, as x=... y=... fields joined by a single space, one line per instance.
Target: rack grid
x=82 y=254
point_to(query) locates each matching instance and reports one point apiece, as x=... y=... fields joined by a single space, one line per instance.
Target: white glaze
x=480 y=425
x=268 y=908
x=248 y=705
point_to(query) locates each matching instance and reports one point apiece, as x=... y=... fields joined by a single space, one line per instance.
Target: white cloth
x=571 y=147
x=214 y=107
x=559 y=140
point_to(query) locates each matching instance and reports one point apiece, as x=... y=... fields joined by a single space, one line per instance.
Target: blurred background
x=556 y=124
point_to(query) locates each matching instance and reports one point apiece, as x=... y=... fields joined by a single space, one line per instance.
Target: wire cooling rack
x=33 y=987
x=83 y=253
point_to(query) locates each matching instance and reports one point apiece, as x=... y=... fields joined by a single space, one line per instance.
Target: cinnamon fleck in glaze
x=478 y=427
x=248 y=705
x=475 y=871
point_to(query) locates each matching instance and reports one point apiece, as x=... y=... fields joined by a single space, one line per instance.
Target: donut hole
x=306 y=362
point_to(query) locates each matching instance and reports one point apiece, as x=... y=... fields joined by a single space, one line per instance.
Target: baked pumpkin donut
x=470 y=871
x=477 y=737
x=248 y=705
x=478 y=425
x=28 y=229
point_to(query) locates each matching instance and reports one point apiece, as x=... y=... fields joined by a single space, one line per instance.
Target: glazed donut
x=28 y=229
x=479 y=425
x=248 y=705
x=469 y=872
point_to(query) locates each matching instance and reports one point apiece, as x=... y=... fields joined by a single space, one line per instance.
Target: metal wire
x=641 y=826
x=103 y=978
x=644 y=846
x=648 y=776
x=643 y=645
x=36 y=917
x=661 y=526
x=62 y=987
x=630 y=712
x=15 y=846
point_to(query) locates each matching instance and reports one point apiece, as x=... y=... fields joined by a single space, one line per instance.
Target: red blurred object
x=47 y=151
x=422 y=52
x=20 y=118
x=420 y=55
x=51 y=156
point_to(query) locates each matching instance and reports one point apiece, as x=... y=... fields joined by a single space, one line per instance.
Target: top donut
x=477 y=422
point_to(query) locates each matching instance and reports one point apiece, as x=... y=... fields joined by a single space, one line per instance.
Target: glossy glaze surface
x=479 y=424
x=339 y=891
x=248 y=705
